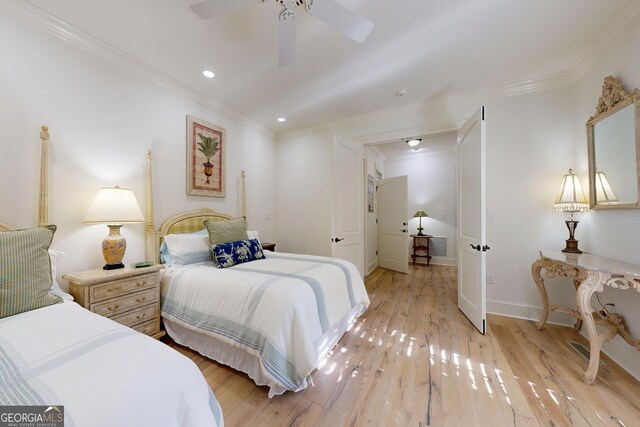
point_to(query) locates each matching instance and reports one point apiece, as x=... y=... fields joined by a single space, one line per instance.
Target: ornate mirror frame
x=614 y=98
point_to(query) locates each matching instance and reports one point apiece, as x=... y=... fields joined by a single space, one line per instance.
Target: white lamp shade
x=604 y=192
x=571 y=197
x=114 y=205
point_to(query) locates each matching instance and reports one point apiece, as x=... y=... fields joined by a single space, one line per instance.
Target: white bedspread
x=288 y=310
x=104 y=374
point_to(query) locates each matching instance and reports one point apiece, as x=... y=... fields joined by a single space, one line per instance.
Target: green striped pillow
x=25 y=270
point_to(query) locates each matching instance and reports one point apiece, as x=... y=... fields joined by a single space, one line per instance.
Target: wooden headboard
x=186 y=222
x=43 y=199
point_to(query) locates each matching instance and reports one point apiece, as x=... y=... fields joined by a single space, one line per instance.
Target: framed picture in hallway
x=377 y=170
x=206 y=167
x=370 y=188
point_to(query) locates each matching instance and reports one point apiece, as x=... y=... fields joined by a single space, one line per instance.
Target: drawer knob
x=141 y=316
x=141 y=300
x=114 y=307
x=140 y=284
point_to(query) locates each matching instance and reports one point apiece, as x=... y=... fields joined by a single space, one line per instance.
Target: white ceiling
x=432 y=48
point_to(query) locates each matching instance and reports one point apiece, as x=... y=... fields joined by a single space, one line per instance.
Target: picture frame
x=206 y=160
x=378 y=173
x=370 y=192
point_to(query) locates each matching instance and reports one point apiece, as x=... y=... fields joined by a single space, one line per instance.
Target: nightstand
x=269 y=246
x=130 y=296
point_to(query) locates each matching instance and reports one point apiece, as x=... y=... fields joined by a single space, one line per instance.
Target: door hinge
x=482 y=113
x=376 y=220
x=376 y=252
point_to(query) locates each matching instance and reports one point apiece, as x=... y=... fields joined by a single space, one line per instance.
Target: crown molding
x=44 y=21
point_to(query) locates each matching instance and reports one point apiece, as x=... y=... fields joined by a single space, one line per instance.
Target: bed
x=274 y=318
x=100 y=372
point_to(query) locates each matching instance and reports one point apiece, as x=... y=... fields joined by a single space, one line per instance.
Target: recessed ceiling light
x=401 y=92
x=413 y=142
x=282 y=119
x=208 y=74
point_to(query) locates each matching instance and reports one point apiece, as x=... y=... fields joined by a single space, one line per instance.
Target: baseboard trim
x=526 y=312
x=437 y=260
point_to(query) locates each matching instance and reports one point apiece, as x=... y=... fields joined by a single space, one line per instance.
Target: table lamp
x=114 y=206
x=420 y=214
x=571 y=200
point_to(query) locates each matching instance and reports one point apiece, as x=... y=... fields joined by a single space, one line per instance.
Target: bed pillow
x=227 y=231
x=253 y=234
x=25 y=270
x=233 y=253
x=185 y=249
x=54 y=257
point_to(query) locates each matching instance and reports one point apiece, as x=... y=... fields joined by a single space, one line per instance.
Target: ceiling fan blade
x=286 y=37
x=342 y=19
x=211 y=8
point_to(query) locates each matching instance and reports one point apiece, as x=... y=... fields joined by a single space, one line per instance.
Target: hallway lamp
x=420 y=214
x=114 y=206
x=571 y=200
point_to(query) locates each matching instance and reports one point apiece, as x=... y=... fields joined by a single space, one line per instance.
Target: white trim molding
x=526 y=312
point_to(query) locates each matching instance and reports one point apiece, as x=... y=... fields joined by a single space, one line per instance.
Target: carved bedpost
x=43 y=200
x=244 y=196
x=152 y=251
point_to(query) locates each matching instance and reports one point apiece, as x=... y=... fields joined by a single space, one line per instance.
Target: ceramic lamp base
x=113 y=248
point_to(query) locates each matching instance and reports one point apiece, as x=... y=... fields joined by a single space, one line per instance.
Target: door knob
x=404 y=231
x=337 y=239
x=476 y=247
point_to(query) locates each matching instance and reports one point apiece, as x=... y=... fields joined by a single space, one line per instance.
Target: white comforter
x=104 y=374
x=287 y=310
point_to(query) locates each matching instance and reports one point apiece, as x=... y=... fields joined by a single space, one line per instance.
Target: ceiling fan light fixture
x=413 y=142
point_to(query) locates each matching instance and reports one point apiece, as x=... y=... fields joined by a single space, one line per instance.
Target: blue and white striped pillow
x=185 y=249
x=233 y=253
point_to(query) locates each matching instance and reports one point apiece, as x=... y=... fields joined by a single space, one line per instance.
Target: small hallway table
x=590 y=273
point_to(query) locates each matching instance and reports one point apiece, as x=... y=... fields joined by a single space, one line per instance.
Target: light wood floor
x=414 y=360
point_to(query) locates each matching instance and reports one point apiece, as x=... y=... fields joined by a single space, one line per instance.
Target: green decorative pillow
x=25 y=270
x=227 y=231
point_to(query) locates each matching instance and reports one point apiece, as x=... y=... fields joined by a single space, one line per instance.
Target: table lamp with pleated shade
x=114 y=206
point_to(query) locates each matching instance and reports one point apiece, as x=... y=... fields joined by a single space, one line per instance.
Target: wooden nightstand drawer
x=147 y=328
x=132 y=318
x=129 y=296
x=119 y=305
x=114 y=289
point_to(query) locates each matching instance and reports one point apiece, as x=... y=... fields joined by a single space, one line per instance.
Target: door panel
x=392 y=199
x=471 y=220
x=348 y=202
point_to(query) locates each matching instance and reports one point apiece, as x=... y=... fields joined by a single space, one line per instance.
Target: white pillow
x=55 y=256
x=253 y=234
x=191 y=248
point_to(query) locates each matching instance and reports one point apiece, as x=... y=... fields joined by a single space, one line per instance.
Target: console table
x=590 y=273
x=421 y=248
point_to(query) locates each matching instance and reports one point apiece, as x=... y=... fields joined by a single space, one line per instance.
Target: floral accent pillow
x=232 y=253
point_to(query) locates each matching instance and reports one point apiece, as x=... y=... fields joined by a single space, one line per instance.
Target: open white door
x=392 y=199
x=348 y=202
x=472 y=245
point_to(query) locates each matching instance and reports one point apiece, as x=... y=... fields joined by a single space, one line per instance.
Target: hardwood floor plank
x=413 y=359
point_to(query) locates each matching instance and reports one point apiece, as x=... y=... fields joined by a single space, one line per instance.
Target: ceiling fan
x=331 y=13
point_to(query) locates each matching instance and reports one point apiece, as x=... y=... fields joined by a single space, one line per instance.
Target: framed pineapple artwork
x=206 y=167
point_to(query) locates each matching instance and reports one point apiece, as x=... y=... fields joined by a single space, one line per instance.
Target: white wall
x=611 y=233
x=375 y=159
x=432 y=186
x=102 y=120
x=304 y=189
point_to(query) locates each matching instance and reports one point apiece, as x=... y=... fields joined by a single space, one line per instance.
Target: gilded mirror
x=613 y=137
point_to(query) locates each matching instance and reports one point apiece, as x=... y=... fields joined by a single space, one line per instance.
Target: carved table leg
x=586 y=289
x=536 y=267
x=578 y=323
